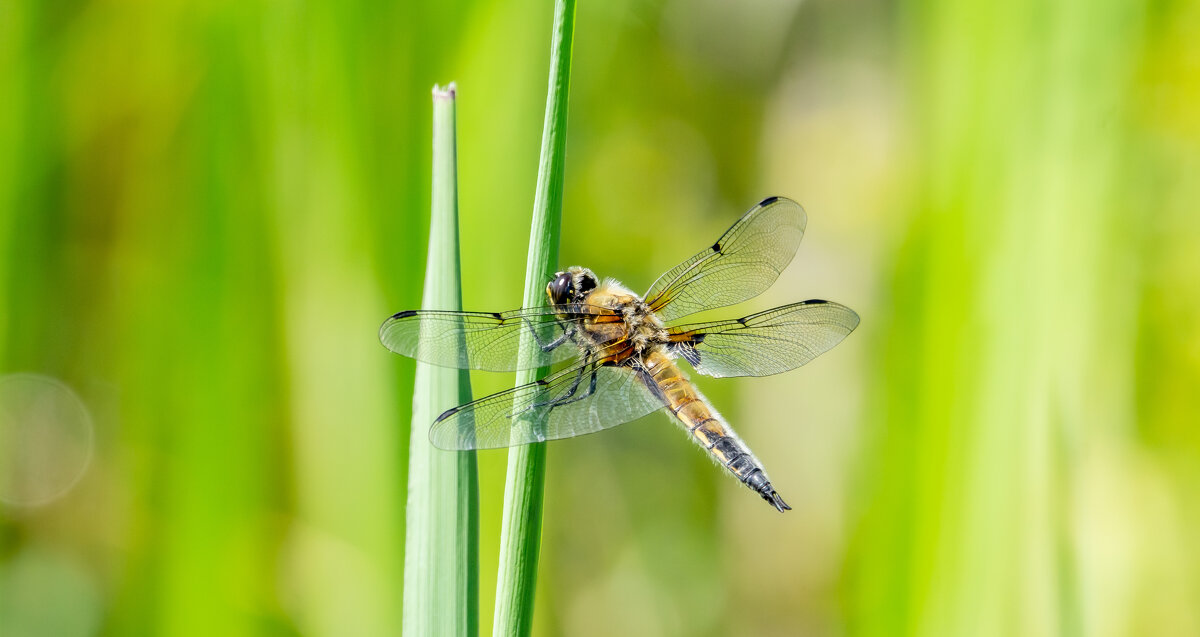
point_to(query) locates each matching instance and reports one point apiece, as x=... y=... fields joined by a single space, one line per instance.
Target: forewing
x=766 y=343
x=561 y=406
x=477 y=340
x=742 y=264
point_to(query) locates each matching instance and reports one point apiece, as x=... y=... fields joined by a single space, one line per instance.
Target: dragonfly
x=622 y=351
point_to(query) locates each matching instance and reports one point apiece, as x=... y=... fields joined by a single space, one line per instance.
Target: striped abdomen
x=706 y=425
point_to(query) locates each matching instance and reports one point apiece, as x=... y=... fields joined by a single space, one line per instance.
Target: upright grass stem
x=520 y=536
x=441 y=579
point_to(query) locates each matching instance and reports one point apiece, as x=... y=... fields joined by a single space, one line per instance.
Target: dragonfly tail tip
x=777 y=501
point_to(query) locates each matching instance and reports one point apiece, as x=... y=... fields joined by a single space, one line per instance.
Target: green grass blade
x=520 y=535
x=441 y=583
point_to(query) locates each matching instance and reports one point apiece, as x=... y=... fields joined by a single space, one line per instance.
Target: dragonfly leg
x=567 y=398
x=552 y=345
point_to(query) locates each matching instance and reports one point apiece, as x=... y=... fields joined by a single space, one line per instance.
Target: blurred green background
x=207 y=208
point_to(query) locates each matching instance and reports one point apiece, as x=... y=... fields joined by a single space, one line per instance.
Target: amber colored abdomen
x=707 y=426
x=691 y=408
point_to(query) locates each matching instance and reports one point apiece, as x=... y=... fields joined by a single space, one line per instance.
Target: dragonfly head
x=571 y=286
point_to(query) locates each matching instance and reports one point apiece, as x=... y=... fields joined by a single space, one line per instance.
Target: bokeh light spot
x=45 y=439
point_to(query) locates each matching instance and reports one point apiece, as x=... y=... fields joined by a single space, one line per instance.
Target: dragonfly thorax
x=638 y=325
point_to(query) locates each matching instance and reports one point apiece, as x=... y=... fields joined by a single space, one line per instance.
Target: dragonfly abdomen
x=708 y=427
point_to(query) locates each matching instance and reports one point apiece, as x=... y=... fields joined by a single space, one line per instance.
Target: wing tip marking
x=404 y=314
x=768 y=201
x=446 y=414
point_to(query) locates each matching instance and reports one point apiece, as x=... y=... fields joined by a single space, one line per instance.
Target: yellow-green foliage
x=207 y=208
x=441 y=539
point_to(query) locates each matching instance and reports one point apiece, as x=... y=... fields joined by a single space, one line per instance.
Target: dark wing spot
x=404 y=314
x=497 y=316
x=768 y=201
x=446 y=414
x=716 y=247
x=542 y=382
x=742 y=320
x=689 y=354
x=815 y=302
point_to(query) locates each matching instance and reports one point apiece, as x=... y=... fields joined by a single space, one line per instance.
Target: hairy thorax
x=633 y=320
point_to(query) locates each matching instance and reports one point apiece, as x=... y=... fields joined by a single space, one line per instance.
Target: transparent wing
x=482 y=340
x=581 y=400
x=742 y=264
x=766 y=343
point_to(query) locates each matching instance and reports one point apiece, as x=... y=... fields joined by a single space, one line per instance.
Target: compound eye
x=560 y=289
x=586 y=284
